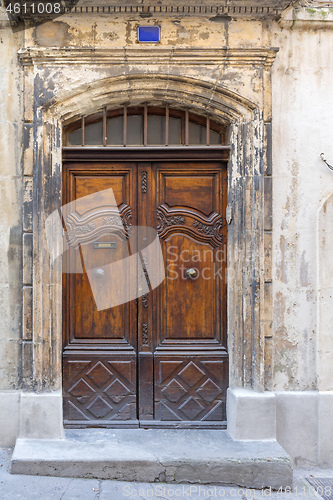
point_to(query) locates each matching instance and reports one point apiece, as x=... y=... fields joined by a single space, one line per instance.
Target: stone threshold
x=156 y=455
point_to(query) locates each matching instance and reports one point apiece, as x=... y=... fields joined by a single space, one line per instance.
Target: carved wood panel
x=192 y=232
x=99 y=353
x=99 y=389
x=96 y=223
x=192 y=222
x=191 y=388
x=191 y=360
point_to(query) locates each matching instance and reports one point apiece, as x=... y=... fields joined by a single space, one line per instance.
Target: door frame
x=146 y=153
x=249 y=180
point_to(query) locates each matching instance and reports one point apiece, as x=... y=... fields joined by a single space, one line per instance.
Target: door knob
x=191 y=273
x=99 y=273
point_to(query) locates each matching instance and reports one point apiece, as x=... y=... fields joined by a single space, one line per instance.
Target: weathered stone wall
x=119 y=31
x=10 y=207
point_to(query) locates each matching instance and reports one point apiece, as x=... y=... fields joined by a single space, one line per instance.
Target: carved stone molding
x=245 y=235
x=263 y=57
x=314 y=4
x=232 y=8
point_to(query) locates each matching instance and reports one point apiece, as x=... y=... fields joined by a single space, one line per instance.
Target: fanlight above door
x=145 y=126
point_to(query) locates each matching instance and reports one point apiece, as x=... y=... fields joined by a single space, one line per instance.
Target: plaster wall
x=302 y=129
x=302 y=104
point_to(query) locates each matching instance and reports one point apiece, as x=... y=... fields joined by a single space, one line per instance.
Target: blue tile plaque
x=149 y=34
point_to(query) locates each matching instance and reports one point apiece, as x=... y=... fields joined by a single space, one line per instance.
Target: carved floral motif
x=87 y=228
x=167 y=221
x=83 y=229
x=112 y=220
x=204 y=228
x=209 y=230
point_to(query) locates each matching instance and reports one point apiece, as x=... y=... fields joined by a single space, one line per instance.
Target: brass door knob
x=191 y=273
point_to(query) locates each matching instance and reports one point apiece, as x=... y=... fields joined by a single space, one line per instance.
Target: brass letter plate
x=106 y=244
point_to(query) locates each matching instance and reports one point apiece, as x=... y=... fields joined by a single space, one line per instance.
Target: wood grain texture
x=191 y=388
x=162 y=357
x=97 y=338
x=191 y=313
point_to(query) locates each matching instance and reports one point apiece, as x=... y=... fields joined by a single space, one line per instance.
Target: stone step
x=152 y=455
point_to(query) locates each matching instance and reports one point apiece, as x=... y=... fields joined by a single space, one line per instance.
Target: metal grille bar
x=145 y=111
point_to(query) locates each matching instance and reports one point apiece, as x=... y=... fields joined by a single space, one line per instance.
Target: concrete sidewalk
x=13 y=487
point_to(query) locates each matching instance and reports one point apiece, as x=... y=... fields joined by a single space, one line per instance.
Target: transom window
x=145 y=126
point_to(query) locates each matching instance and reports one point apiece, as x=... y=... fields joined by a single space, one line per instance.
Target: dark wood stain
x=161 y=359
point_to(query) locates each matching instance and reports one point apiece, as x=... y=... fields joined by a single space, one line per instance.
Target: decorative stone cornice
x=260 y=57
x=251 y=9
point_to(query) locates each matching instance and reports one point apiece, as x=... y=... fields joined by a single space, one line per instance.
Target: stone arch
x=136 y=89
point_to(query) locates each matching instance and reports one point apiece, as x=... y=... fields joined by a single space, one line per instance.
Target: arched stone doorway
x=245 y=185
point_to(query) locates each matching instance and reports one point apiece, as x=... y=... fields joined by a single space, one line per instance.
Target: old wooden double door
x=159 y=358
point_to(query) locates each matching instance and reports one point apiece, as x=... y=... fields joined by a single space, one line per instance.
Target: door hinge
x=144 y=181
x=228 y=214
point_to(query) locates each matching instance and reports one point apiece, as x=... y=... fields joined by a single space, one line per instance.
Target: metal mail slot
x=106 y=244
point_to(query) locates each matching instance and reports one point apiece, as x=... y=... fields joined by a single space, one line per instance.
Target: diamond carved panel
x=99 y=391
x=191 y=408
x=117 y=391
x=99 y=407
x=209 y=390
x=191 y=389
x=81 y=388
x=99 y=374
x=174 y=391
x=191 y=374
